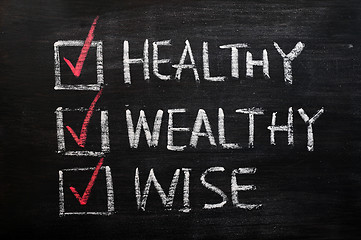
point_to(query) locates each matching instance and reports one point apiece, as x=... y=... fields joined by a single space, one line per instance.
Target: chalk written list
x=138 y=124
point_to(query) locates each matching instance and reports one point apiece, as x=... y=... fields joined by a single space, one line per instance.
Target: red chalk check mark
x=84 y=199
x=84 y=129
x=84 y=51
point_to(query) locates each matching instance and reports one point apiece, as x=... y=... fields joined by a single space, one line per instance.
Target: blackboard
x=297 y=188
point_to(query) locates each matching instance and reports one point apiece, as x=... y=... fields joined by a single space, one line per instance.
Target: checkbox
x=104 y=133
x=99 y=66
x=109 y=192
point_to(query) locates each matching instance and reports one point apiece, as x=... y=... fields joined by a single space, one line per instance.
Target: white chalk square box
x=104 y=133
x=109 y=191
x=99 y=66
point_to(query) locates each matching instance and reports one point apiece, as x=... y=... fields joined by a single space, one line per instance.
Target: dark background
x=305 y=195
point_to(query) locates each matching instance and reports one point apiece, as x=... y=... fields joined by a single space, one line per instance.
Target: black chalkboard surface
x=180 y=119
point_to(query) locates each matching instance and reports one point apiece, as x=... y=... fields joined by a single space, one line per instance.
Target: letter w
x=152 y=139
x=167 y=201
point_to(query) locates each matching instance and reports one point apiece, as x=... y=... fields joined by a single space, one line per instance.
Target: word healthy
x=250 y=62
